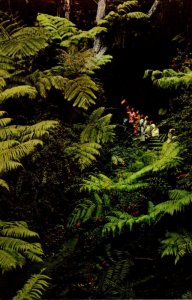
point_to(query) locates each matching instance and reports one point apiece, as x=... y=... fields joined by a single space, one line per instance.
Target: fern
x=114 y=276
x=58 y=28
x=127 y=6
x=23 y=43
x=81 y=91
x=97 y=183
x=34 y=288
x=170 y=79
x=94 y=207
x=98 y=128
x=177 y=245
x=14 y=249
x=45 y=81
x=18 y=92
x=83 y=153
x=137 y=15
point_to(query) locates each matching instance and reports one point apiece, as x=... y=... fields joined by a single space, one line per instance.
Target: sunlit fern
x=34 y=288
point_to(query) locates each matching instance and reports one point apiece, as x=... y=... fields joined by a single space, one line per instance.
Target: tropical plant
x=15 y=249
x=170 y=79
x=34 y=287
x=176 y=244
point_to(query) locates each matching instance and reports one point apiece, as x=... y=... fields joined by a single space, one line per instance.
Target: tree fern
x=81 y=91
x=98 y=128
x=34 y=288
x=177 y=245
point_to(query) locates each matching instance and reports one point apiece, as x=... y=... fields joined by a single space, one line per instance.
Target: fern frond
x=84 y=153
x=4 y=184
x=95 y=62
x=19 y=151
x=81 y=91
x=136 y=15
x=23 y=43
x=10 y=260
x=170 y=79
x=89 y=208
x=58 y=28
x=177 y=245
x=98 y=128
x=25 y=248
x=17 y=229
x=5 y=121
x=34 y=287
x=127 y=6
x=96 y=183
x=18 y=92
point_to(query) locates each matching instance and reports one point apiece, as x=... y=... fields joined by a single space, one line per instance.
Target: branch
x=153 y=8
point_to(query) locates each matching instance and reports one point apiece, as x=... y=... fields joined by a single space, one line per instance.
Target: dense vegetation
x=87 y=211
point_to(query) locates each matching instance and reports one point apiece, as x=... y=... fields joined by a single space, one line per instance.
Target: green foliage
x=17 y=142
x=84 y=154
x=94 y=207
x=126 y=6
x=58 y=28
x=170 y=79
x=137 y=15
x=113 y=278
x=81 y=91
x=98 y=128
x=34 y=287
x=22 y=42
x=14 y=247
x=18 y=92
x=177 y=245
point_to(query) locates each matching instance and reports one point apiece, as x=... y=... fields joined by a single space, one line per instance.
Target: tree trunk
x=154 y=8
x=63 y=8
x=98 y=45
x=67 y=8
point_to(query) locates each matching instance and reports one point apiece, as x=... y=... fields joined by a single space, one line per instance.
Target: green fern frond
x=81 y=91
x=89 y=208
x=170 y=79
x=177 y=245
x=179 y=199
x=18 y=92
x=10 y=260
x=17 y=229
x=83 y=153
x=96 y=183
x=95 y=62
x=58 y=28
x=15 y=250
x=117 y=222
x=23 y=43
x=137 y=15
x=19 y=151
x=32 y=250
x=5 y=121
x=4 y=184
x=8 y=144
x=127 y=6
x=98 y=128
x=34 y=287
